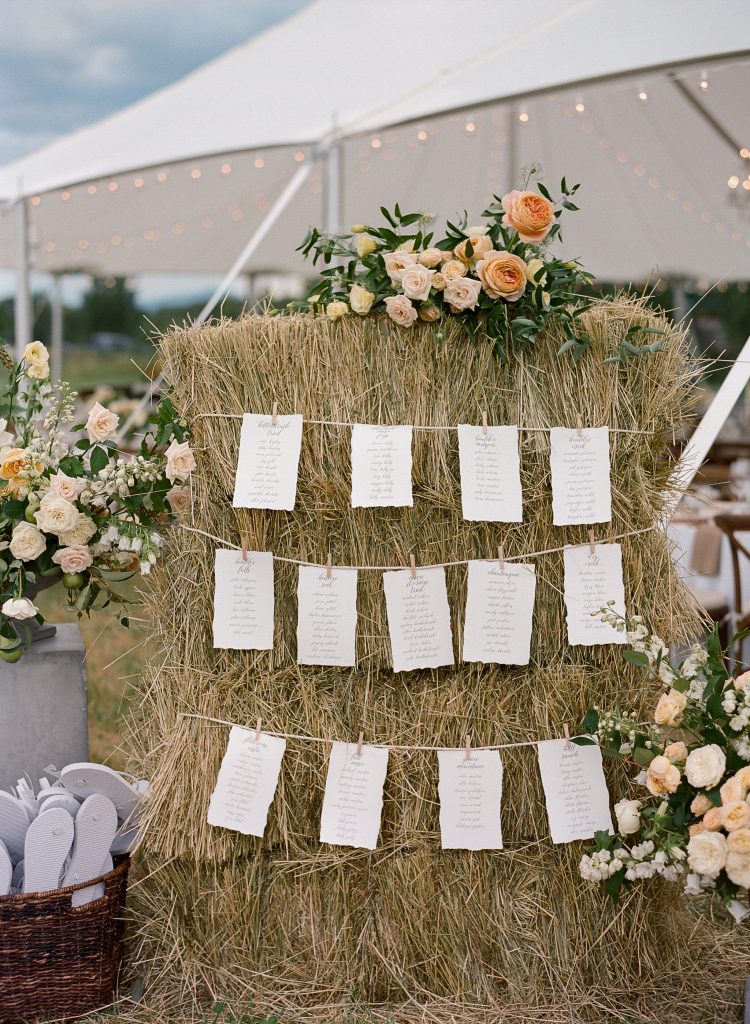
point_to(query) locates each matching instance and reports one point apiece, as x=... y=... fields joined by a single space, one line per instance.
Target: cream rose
x=38 y=372
x=55 y=514
x=400 y=309
x=36 y=354
x=707 y=853
x=705 y=766
x=535 y=272
x=670 y=707
x=732 y=790
x=416 y=282
x=397 y=262
x=462 y=292
x=101 y=424
x=336 y=309
x=179 y=499
x=360 y=299
x=628 y=814
x=365 y=245
x=66 y=486
x=439 y=281
x=739 y=841
x=712 y=819
x=73 y=559
x=744 y=776
x=5 y=435
x=734 y=815
x=481 y=243
x=180 y=461
x=80 y=533
x=676 y=751
x=431 y=258
x=453 y=269
x=700 y=804
x=14 y=460
x=503 y=275
x=742 y=681
x=662 y=776
x=27 y=542
x=428 y=312
x=19 y=608
x=738 y=868
x=529 y=213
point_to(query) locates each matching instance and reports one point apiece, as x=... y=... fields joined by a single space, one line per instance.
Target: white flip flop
x=125 y=840
x=16 y=884
x=48 y=843
x=14 y=824
x=59 y=798
x=6 y=870
x=98 y=890
x=26 y=795
x=83 y=780
x=95 y=827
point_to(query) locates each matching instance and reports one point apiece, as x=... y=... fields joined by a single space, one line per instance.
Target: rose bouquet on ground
x=692 y=823
x=73 y=508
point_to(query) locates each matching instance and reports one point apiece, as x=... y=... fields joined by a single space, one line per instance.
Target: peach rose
x=529 y=213
x=400 y=309
x=180 y=461
x=397 y=262
x=73 y=559
x=700 y=805
x=503 y=275
x=676 y=751
x=744 y=776
x=452 y=269
x=732 y=790
x=662 y=776
x=429 y=312
x=737 y=867
x=431 y=258
x=439 y=281
x=462 y=293
x=712 y=820
x=669 y=708
x=742 y=681
x=734 y=815
x=14 y=460
x=481 y=243
x=739 y=840
x=101 y=424
x=416 y=282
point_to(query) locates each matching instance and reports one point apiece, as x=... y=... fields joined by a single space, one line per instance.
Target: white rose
x=739 y=841
x=734 y=815
x=27 y=542
x=431 y=258
x=38 y=372
x=73 y=559
x=462 y=292
x=400 y=309
x=180 y=461
x=179 y=499
x=707 y=853
x=360 y=299
x=738 y=869
x=101 y=424
x=55 y=514
x=365 y=245
x=670 y=708
x=416 y=282
x=662 y=776
x=705 y=766
x=19 y=608
x=628 y=816
x=66 y=486
x=36 y=354
x=397 y=262
x=80 y=533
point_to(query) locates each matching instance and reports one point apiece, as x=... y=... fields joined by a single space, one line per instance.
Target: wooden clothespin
x=484 y=422
x=274 y=413
x=359 y=744
x=467 y=747
x=329 y=565
x=579 y=424
x=592 y=543
x=501 y=557
x=257 y=729
x=413 y=566
x=566 y=734
x=243 y=542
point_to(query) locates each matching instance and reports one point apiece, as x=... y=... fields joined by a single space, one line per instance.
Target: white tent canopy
x=436 y=105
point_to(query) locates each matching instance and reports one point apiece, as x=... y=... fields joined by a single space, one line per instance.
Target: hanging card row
x=489 y=463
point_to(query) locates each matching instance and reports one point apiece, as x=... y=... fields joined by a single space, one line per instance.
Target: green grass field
x=85 y=368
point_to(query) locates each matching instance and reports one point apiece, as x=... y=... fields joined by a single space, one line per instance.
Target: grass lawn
x=85 y=368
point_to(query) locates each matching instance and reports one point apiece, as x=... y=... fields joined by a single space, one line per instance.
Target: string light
x=299 y=156
x=523 y=115
x=113 y=186
x=226 y=168
x=376 y=143
x=50 y=246
x=642 y=95
x=260 y=162
x=422 y=135
x=116 y=240
x=704 y=80
x=734 y=181
x=196 y=173
x=161 y=177
x=65 y=196
x=36 y=200
x=470 y=127
x=92 y=190
x=139 y=182
x=580 y=106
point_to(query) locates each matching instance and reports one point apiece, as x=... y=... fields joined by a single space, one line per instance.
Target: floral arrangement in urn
x=692 y=823
x=498 y=278
x=73 y=508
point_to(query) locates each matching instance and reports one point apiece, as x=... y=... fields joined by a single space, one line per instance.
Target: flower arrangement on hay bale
x=498 y=278
x=693 y=822
x=74 y=509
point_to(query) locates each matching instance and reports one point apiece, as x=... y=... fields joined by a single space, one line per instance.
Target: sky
x=68 y=63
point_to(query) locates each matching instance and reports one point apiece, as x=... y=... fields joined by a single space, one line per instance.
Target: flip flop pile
x=68 y=832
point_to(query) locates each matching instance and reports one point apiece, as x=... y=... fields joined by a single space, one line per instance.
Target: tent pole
x=510 y=182
x=281 y=203
x=22 y=305
x=56 y=327
x=709 y=427
x=332 y=213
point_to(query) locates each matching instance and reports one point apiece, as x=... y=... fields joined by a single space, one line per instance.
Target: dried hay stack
x=408 y=932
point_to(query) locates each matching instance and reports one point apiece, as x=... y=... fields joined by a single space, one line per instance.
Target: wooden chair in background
x=731 y=525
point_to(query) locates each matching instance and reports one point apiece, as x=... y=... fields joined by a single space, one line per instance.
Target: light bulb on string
x=580 y=105
x=704 y=81
x=523 y=114
x=642 y=95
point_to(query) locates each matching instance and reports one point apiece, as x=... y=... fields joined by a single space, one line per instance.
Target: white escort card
x=490 y=473
x=381 y=466
x=579 y=461
x=243 y=600
x=575 y=790
x=419 y=619
x=470 y=794
x=591 y=580
x=499 y=612
x=247 y=782
x=326 y=616
x=268 y=462
x=353 y=800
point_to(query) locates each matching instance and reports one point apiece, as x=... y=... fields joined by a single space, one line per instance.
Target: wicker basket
x=57 y=960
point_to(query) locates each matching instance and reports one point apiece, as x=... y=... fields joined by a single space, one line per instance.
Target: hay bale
x=318 y=933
